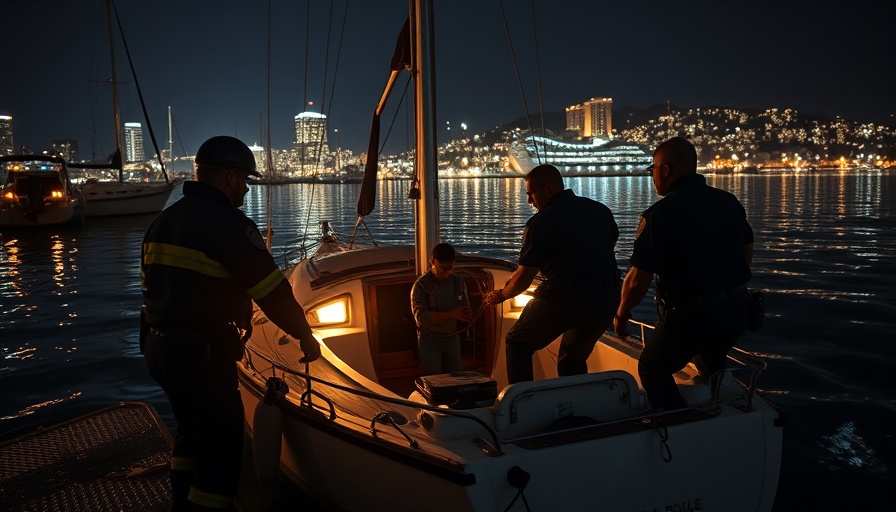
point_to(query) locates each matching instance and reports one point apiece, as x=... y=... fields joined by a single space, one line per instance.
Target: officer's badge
x=255 y=237
x=641 y=224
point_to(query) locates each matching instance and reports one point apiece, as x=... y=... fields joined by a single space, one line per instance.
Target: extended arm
x=634 y=288
x=281 y=307
x=518 y=283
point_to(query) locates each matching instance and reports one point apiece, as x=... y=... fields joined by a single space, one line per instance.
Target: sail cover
x=401 y=59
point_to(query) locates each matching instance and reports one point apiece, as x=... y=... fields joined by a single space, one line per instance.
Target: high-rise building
x=593 y=118
x=311 y=136
x=6 y=144
x=66 y=148
x=133 y=142
x=260 y=157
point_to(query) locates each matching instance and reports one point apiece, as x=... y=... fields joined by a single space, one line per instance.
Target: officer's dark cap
x=225 y=152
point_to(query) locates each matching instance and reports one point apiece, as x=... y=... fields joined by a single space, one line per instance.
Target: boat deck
x=113 y=459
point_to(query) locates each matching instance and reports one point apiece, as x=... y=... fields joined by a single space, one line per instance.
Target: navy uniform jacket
x=202 y=263
x=693 y=239
x=571 y=240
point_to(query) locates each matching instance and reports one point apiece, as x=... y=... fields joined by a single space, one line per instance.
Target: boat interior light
x=56 y=194
x=520 y=301
x=330 y=313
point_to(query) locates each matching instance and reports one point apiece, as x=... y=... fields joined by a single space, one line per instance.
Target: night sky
x=208 y=60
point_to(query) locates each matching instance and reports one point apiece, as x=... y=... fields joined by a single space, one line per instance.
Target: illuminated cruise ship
x=600 y=157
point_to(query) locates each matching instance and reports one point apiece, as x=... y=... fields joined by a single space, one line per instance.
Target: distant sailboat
x=121 y=197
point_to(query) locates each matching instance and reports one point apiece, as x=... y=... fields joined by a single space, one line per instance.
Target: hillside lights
x=330 y=313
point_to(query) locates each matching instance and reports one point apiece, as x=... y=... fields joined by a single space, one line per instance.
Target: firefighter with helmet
x=203 y=263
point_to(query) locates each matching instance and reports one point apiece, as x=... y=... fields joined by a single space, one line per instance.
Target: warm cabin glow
x=10 y=195
x=520 y=301
x=330 y=313
x=56 y=194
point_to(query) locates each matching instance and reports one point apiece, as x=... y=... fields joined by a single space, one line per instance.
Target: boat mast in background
x=116 y=111
x=170 y=139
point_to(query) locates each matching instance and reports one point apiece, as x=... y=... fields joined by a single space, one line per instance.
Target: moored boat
x=355 y=430
x=35 y=190
x=120 y=196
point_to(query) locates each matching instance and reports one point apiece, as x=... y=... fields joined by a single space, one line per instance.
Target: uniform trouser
x=580 y=323
x=208 y=447
x=702 y=333
x=439 y=354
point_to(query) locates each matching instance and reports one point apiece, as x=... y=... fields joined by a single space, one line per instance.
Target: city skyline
x=213 y=70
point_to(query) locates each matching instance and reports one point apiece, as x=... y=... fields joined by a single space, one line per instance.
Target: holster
x=226 y=342
x=757 y=310
x=144 y=329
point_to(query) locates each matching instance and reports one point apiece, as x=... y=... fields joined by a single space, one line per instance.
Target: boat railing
x=745 y=363
x=306 y=400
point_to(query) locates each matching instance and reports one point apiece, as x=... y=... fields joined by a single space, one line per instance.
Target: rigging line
x=323 y=95
x=395 y=116
x=177 y=134
x=179 y=139
x=305 y=84
x=537 y=71
x=267 y=142
x=516 y=70
x=127 y=52
x=338 y=55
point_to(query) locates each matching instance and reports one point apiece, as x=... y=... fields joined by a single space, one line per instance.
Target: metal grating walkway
x=112 y=459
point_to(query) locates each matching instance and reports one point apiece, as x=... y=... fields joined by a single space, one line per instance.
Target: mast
x=114 y=82
x=170 y=139
x=426 y=159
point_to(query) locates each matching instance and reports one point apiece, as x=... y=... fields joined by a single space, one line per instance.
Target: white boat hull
x=104 y=198
x=55 y=215
x=719 y=454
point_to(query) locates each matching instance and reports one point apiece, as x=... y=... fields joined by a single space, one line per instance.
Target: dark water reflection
x=825 y=256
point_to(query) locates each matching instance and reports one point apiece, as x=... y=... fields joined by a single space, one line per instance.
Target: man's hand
x=620 y=323
x=463 y=313
x=493 y=297
x=311 y=348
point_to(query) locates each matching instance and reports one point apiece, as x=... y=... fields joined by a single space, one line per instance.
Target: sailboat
x=123 y=196
x=354 y=430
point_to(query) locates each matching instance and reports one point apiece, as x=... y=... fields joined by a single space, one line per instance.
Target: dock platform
x=115 y=458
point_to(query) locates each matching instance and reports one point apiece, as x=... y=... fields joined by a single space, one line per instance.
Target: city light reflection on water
x=825 y=258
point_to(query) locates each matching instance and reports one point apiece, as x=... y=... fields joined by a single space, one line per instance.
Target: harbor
x=69 y=330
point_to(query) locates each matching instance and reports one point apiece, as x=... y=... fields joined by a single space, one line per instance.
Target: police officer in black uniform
x=203 y=263
x=697 y=240
x=570 y=240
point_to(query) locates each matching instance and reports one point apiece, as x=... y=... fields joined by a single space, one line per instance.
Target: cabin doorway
x=393 y=332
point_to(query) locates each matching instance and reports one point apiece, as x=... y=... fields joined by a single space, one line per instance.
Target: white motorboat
x=353 y=430
x=35 y=190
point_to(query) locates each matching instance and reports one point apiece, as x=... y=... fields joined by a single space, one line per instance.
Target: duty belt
x=193 y=333
x=724 y=294
x=694 y=300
